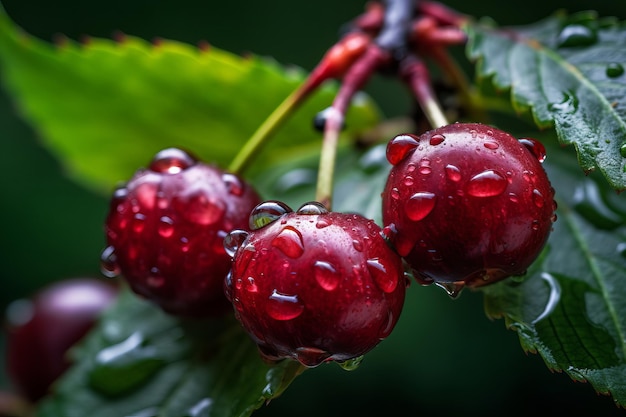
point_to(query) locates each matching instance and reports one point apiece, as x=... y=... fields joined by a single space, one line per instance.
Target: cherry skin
x=165 y=230
x=314 y=285
x=467 y=203
x=42 y=329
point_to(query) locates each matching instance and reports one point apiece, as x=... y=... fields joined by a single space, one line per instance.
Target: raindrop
x=251 y=285
x=357 y=245
x=538 y=198
x=171 y=161
x=491 y=145
x=535 y=147
x=553 y=299
x=400 y=146
x=395 y=193
x=453 y=289
x=589 y=202
x=233 y=241
x=622 y=150
x=408 y=181
x=132 y=356
x=165 y=227
x=568 y=105
x=108 y=263
x=351 y=364
x=453 y=173
x=289 y=241
x=266 y=213
x=155 y=279
x=203 y=210
x=384 y=280
x=312 y=207
x=437 y=139
x=233 y=184
x=200 y=409
x=138 y=223
x=614 y=70
x=326 y=275
x=311 y=357
x=283 y=306
x=322 y=223
x=576 y=35
x=419 y=205
x=488 y=183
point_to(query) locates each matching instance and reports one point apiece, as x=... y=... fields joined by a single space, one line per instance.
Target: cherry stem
x=269 y=126
x=415 y=74
x=354 y=80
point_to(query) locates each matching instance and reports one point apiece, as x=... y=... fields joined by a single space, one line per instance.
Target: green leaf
x=569 y=72
x=105 y=107
x=571 y=308
x=141 y=362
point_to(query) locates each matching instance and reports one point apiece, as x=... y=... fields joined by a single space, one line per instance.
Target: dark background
x=454 y=361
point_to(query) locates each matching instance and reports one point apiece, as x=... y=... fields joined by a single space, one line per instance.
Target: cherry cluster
x=465 y=205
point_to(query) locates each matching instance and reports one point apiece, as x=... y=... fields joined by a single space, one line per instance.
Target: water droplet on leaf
x=577 y=35
x=614 y=70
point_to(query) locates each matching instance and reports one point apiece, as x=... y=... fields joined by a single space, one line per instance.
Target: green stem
x=324 y=187
x=268 y=127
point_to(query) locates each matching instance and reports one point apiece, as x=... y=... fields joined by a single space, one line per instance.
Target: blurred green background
x=445 y=358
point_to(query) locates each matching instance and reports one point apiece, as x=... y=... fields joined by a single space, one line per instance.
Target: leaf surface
x=569 y=72
x=104 y=107
x=156 y=365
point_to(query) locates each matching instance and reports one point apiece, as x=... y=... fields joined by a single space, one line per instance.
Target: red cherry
x=314 y=285
x=467 y=203
x=41 y=330
x=165 y=231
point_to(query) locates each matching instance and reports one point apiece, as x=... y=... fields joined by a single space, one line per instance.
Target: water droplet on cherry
x=284 y=307
x=289 y=241
x=201 y=210
x=535 y=147
x=385 y=281
x=453 y=173
x=312 y=207
x=326 y=275
x=437 y=139
x=311 y=357
x=266 y=213
x=233 y=241
x=419 y=205
x=108 y=263
x=233 y=184
x=171 y=161
x=488 y=183
x=400 y=146
x=165 y=227
x=351 y=364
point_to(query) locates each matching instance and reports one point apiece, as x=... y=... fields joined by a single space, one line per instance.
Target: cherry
x=467 y=203
x=43 y=328
x=165 y=231
x=314 y=285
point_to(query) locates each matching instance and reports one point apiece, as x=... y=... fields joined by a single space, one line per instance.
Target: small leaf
x=141 y=362
x=106 y=107
x=569 y=72
x=571 y=308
